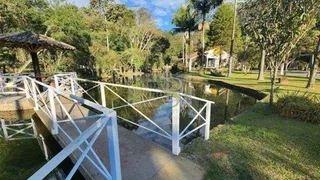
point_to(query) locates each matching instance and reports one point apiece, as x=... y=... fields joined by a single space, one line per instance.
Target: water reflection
x=228 y=104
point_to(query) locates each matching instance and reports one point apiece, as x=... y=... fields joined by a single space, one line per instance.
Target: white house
x=216 y=58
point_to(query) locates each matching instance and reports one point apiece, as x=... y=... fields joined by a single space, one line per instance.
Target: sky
x=162 y=10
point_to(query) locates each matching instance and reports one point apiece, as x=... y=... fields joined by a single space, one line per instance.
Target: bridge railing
x=11 y=85
x=47 y=98
x=177 y=100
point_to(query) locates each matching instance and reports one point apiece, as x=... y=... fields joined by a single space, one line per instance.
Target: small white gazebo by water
x=216 y=58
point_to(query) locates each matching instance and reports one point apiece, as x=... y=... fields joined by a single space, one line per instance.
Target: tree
x=221 y=29
x=184 y=20
x=282 y=24
x=249 y=15
x=203 y=7
x=158 y=51
x=315 y=65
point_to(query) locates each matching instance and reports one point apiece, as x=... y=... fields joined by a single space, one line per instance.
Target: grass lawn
x=20 y=159
x=259 y=145
x=250 y=81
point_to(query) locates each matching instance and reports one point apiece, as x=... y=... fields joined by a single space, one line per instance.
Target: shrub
x=300 y=107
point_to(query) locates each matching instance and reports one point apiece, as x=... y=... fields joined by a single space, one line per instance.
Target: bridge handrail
x=177 y=97
x=107 y=119
x=146 y=89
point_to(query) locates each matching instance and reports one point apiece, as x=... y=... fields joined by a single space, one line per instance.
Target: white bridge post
x=208 y=119
x=72 y=85
x=34 y=93
x=175 y=125
x=103 y=95
x=56 y=81
x=53 y=117
x=113 y=144
x=4 y=128
x=26 y=88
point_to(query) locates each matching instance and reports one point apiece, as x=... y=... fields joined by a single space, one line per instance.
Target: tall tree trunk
x=36 y=68
x=273 y=81
x=262 y=65
x=4 y=69
x=232 y=38
x=203 y=38
x=314 y=68
x=189 y=50
x=183 y=52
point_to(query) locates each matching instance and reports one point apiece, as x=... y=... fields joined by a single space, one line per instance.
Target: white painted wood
x=113 y=145
x=72 y=86
x=103 y=95
x=34 y=93
x=208 y=120
x=175 y=125
x=26 y=88
x=53 y=113
x=4 y=129
x=56 y=160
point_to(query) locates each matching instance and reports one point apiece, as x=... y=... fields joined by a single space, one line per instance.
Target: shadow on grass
x=260 y=145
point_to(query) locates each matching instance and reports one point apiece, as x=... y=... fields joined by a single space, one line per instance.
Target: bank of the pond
x=248 y=82
x=259 y=145
x=20 y=159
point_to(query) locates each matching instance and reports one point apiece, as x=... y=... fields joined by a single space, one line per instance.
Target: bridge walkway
x=140 y=158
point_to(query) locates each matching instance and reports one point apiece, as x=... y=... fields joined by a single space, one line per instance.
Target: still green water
x=228 y=103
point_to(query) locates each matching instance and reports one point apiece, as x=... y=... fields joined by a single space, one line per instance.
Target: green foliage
x=203 y=7
x=305 y=108
x=279 y=25
x=184 y=19
x=220 y=32
x=103 y=33
x=106 y=60
x=134 y=57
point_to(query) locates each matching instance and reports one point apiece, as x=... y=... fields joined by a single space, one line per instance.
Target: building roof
x=32 y=41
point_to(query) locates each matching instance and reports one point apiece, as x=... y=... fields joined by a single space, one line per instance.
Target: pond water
x=228 y=103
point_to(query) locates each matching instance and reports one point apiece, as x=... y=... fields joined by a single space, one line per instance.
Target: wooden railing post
x=175 y=125
x=34 y=94
x=103 y=95
x=4 y=129
x=2 y=84
x=54 y=128
x=208 y=119
x=56 y=81
x=113 y=144
x=26 y=87
x=72 y=86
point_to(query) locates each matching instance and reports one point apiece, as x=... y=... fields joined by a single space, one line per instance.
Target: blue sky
x=161 y=10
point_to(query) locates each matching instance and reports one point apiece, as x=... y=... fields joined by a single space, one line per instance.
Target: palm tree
x=203 y=7
x=185 y=21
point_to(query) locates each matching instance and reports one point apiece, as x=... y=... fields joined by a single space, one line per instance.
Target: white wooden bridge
x=88 y=131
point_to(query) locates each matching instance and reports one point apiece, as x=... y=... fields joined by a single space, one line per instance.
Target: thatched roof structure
x=32 y=42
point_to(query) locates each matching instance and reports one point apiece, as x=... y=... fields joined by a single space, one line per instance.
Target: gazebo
x=33 y=43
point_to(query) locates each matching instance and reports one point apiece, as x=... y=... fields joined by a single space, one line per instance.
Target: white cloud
x=168 y=4
x=141 y=3
x=160 y=22
x=160 y=12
